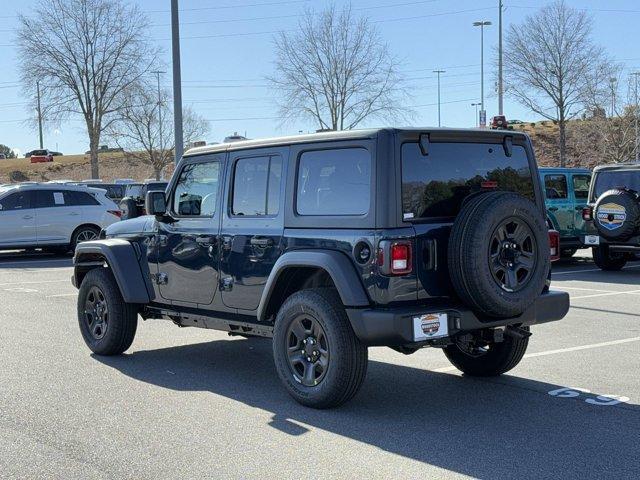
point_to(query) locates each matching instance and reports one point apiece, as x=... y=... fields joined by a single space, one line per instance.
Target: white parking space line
x=605 y=294
x=63 y=295
x=561 y=350
x=562 y=287
x=27 y=263
x=590 y=270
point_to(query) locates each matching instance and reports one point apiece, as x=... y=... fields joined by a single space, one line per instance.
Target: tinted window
x=256 y=186
x=196 y=191
x=555 y=187
x=435 y=185
x=39 y=152
x=16 y=201
x=581 y=186
x=334 y=182
x=79 y=198
x=606 y=180
x=52 y=198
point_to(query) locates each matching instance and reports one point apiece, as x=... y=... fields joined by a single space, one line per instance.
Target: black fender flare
x=123 y=260
x=336 y=264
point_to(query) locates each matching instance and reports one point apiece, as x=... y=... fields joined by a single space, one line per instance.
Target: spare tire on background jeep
x=617 y=214
x=511 y=230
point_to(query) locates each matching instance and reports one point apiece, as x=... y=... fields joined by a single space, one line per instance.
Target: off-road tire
x=122 y=317
x=348 y=357
x=606 y=260
x=500 y=358
x=469 y=256
x=78 y=234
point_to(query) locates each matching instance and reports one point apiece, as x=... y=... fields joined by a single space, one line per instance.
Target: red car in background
x=41 y=156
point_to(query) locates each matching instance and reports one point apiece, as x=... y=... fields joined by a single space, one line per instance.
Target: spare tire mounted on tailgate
x=617 y=214
x=499 y=254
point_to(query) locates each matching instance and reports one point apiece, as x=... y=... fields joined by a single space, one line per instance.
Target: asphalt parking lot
x=191 y=403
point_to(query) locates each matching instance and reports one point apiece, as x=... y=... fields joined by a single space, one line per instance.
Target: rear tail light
x=400 y=258
x=554 y=245
x=587 y=213
x=117 y=213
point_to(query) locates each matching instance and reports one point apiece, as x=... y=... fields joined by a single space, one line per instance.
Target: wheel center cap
x=310 y=347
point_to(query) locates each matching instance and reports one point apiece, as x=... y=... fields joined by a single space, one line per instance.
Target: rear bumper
x=630 y=245
x=394 y=327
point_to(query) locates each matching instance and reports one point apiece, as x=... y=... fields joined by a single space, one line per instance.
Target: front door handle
x=27 y=217
x=74 y=214
x=261 y=241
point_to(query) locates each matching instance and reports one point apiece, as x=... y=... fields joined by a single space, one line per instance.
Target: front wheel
x=487 y=359
x=107 y=323
x=317 y=355
x=606 y=260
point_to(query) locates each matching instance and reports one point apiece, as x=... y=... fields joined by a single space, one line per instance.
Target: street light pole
x=635 y=114
x=39 y=114
x=500 y=80
x=158 y=73
x=438 y=72
x=177 y=81
x=483 y=113
x=475 y=119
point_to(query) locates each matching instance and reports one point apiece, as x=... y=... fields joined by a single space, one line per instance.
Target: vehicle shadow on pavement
x=630 y=275
x=506 y=427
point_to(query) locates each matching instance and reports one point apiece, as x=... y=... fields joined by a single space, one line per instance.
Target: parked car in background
x=132 y=205
x=55 y=217
x=613 y=215
x=2 y=156
x=566 y=194
x=41 y=156
x=114 y=191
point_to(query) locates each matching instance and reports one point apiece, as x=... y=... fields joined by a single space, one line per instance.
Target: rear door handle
x=27 y=217
x=553 y=209
x=261 y=241
x=74 y=214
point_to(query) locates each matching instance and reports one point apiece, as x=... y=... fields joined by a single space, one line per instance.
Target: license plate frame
x=592 y=240
x=430 y=325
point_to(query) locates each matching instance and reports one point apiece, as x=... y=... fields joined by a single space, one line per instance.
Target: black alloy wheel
x=96 y=313
x=512 y=254
x=307 y=350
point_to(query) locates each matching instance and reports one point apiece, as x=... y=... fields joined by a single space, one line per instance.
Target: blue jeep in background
x=566 y=194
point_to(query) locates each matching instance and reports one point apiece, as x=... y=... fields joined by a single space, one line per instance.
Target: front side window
x=196 y=192
x=16 y=201
x=435 y=185
x=334 y=182
x=555 y=187
x=256 y=186
x=581 y=186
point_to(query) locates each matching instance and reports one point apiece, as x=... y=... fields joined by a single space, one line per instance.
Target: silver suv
x=53 y=216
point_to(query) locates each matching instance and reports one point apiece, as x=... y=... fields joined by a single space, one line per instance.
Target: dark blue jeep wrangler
x=333 y=242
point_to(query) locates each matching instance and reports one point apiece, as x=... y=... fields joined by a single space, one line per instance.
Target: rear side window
x=606 y=180
x=52 y=198
x=581 y=186
x=16 y=201
x=555 y=187
x=334 y=182
x=196 y=192
x=256 y=186
x=80 y=198
x=435 y=185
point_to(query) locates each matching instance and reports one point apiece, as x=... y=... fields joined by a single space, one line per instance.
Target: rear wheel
x=607 y=260
x=317 y=355
x=107 y=323
x=487 y=359
x=84 y=233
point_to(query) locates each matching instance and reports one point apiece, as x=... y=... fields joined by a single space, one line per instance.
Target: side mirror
x=156 y=203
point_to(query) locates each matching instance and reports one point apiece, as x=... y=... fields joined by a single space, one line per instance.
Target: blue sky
x=227 y=50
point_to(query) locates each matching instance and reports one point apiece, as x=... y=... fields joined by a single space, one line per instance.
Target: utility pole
x=158 y=73
x=439 y=72
x=177 y=81
x=39 y=114
x=483 y=112
x=635 y=115
x=500 y=79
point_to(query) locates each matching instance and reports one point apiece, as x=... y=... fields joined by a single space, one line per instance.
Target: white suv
x=53 y=216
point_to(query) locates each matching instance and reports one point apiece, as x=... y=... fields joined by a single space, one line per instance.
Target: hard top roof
x=341 y=135
x=618 y=166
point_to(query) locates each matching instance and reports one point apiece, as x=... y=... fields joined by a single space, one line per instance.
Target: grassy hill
x=74 y=167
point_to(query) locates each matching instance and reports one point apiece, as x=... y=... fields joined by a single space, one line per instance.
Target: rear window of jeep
x=606 y=180
x=435 y=185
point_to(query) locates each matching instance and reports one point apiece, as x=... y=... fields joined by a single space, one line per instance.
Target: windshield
x=435 y=185
x=608 y=179
x=39 y=152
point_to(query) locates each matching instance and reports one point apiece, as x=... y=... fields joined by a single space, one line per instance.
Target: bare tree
x=85 y=54
x=336 y=70
x=143 y=127
x=551 y=64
